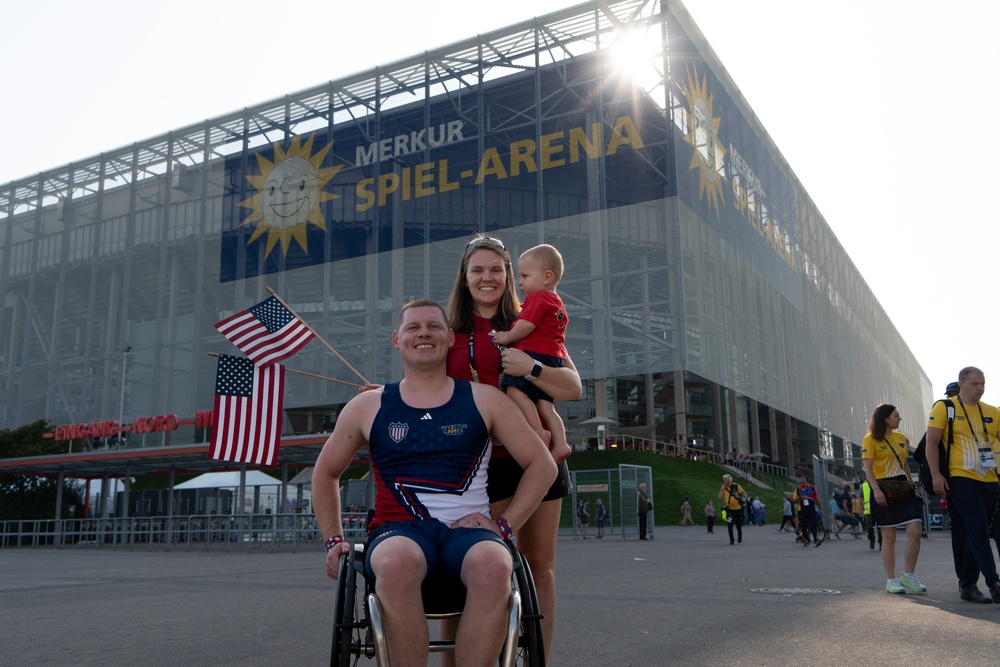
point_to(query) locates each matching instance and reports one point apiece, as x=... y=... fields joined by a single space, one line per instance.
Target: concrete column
x=754 y=426
x=720 y=434
x=680 y=410
x=789 y=445
x=773 y=424
x=734 y=423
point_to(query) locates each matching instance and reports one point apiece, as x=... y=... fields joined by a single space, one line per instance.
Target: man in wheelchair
x=430 y=440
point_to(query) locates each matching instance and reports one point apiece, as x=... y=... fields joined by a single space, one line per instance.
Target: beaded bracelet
x=504 y=526
x=334 y=541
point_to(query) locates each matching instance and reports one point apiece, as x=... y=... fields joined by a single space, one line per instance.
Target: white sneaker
x=893 y=586
x=912 y=584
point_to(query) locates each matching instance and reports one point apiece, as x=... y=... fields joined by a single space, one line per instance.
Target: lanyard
x=472 y=358
x=975 y=438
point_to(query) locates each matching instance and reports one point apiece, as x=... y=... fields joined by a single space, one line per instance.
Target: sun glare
x=289 y=193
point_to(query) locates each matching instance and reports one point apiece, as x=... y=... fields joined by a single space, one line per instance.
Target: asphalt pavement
x=683 y=598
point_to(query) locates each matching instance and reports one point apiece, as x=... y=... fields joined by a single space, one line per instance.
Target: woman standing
x=482 y=302
x=884 y=452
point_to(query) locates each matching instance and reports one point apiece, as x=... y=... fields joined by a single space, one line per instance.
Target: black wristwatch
x=536 y=370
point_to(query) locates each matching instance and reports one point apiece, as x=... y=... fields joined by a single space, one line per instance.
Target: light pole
x=121 y=400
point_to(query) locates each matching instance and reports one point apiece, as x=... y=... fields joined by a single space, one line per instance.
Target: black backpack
x=920 y=454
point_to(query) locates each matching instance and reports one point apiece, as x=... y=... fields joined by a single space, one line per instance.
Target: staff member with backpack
x=969 y=476
x=896 y=503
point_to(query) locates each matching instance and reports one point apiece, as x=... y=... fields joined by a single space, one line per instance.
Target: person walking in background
x=600 y=513
x=787 y=516
x=583 y=514
x=866 y=507
x=642 y=508
x=971 y=482
x=710 y=516
x=759 y=511
x=808 y=501
x=883 y=452
x=733 y=497
x=686 y=514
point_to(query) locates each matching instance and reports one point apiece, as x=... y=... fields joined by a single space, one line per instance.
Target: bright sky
x=879 y=108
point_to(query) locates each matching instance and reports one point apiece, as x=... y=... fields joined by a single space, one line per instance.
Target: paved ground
x=685 y=598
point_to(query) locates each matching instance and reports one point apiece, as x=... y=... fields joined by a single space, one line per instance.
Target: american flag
x=247 y=416
x=267 y=332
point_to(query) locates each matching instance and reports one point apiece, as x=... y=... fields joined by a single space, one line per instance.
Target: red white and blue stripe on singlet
x=429 y=463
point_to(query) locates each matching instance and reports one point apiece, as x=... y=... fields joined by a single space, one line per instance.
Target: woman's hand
x=879 y=496
x=516 y=362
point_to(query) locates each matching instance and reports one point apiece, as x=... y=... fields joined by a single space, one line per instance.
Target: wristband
x=334 y=541
x=505 y=531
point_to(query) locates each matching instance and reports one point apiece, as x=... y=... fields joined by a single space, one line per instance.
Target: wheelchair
x=358 y=632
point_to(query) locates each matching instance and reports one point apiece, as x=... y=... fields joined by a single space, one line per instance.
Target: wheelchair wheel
x=530 y=646
x=343 y=618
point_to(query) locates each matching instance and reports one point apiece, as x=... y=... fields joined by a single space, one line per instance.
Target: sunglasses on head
x=485 y=240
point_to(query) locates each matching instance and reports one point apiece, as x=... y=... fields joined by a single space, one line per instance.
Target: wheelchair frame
x=358 y=632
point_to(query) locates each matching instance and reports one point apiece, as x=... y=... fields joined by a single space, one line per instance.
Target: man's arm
x=349 y=435
x=506 y=423
x=933 y=439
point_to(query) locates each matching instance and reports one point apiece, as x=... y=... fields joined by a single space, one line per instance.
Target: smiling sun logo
x=703 y=135
x=289 y=194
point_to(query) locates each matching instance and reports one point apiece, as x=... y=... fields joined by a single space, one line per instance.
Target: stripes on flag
x=267 y=332
x=247 y=413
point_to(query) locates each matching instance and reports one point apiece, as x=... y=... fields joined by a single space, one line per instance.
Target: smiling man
x=430 y=439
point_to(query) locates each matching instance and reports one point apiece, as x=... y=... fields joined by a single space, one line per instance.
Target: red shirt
x=485 y=356
x=545 y=310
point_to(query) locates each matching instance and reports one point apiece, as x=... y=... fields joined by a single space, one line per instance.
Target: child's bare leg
x=553 y=422
x=527 y=408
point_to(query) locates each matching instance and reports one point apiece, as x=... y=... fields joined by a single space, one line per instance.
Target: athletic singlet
x=429 y=463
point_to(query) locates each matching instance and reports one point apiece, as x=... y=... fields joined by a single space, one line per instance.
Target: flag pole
x=316 y=333
x=312 y=375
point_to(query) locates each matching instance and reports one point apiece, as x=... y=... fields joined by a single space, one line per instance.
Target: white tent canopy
x=268 y=493
x=222 y=480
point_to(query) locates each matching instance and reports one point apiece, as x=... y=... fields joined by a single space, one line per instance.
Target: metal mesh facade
x=115 y=269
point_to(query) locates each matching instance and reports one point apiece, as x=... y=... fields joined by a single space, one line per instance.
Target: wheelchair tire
x=530 y=644
x=343 y=619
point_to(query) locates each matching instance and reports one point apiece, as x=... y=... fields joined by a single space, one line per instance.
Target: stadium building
x=711 y=304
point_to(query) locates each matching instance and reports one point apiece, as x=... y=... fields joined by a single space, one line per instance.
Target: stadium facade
x=709 y=300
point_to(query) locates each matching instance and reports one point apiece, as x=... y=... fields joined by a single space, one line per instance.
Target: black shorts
x=505 y=475
x=529 y=388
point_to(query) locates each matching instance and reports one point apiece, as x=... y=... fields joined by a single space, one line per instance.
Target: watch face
x=536 y=370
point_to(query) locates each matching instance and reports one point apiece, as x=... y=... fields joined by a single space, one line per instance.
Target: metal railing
x=235 y=532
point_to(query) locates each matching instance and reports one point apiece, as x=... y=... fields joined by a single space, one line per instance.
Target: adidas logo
x=427 y=415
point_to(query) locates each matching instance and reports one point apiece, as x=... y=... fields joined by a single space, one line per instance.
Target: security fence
x=270 y=532
x=617 y=490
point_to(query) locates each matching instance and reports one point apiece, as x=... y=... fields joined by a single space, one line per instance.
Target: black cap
x=952 y=388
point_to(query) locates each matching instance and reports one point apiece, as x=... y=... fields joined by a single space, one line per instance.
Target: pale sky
x=878 y=106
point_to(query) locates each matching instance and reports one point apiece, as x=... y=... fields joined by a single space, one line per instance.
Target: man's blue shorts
x=444 y=548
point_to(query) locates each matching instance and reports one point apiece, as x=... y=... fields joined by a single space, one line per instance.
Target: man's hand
x=940 y=483
x=476 y=521
x=333 y=558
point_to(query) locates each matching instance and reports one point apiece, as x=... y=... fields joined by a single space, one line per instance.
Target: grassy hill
x=674 y=479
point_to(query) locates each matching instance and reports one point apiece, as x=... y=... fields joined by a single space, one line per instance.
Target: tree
x=30 y=496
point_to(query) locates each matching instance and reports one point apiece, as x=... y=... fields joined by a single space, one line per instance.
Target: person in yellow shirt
x=733 y=498
x=971 y=483
x=883 y=453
